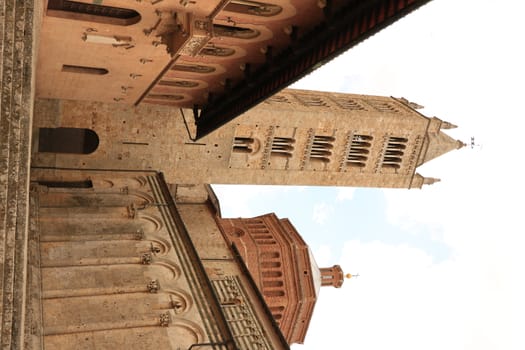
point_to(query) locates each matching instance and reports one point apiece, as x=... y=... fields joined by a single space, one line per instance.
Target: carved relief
x=242 y=320
x=179 y=302
x=414 y=154
x=153 y=286
x=164 y=319
x=146 y=259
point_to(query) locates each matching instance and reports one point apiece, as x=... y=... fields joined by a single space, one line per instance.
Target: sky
x=441 y=267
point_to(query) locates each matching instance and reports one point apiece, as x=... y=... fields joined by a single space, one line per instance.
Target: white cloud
x=404 y=300
x=322 y=212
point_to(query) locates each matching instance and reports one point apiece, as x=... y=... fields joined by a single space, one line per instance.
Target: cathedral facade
x=109 y=134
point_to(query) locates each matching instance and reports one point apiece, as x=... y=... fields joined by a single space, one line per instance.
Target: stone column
x=17 y=62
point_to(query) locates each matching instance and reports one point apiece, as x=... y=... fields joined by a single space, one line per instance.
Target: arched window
x=253 y=8
x=235 y=32
x=193 y=68
x=394 y=152
x=217 y=51
x=282 y=146
x=321 y=149
x=243 y=144
x=67 y=140
x=359 y=150
x=82 y=11
x=165 y=97
x=179 y=83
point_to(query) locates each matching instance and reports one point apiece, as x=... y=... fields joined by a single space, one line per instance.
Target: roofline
x=342 y=30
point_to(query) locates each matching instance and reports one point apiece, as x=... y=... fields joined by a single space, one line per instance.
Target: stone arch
x=67 y=140
x=185 y=333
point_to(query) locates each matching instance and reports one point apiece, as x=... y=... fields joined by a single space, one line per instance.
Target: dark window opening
x=81 y=11
x=359 y=150
x=217 y=51
x=282 y=146
x=243 y=145
x=179 y=83
x=67 y=184
x=322 y=148
x=165 y=97
x=67 y=140
x=394 y=152
x=84 y=70
x=253 y=8
x=234 y=32
x=193 y=68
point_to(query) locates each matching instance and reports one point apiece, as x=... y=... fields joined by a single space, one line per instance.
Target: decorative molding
x=153 y=286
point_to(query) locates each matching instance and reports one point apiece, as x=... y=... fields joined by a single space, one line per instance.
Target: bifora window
x=67 y=140
x=81 y=11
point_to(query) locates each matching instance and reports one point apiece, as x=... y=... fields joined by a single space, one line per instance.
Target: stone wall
x=17 y=45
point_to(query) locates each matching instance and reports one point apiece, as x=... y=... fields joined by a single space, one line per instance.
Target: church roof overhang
x=341 y=30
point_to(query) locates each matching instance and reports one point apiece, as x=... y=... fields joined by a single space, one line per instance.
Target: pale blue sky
x=440 y=267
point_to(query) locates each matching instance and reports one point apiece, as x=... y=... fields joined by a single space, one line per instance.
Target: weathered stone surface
x=17 y=23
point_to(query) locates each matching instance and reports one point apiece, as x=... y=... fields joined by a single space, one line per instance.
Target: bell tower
x=295 y=137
